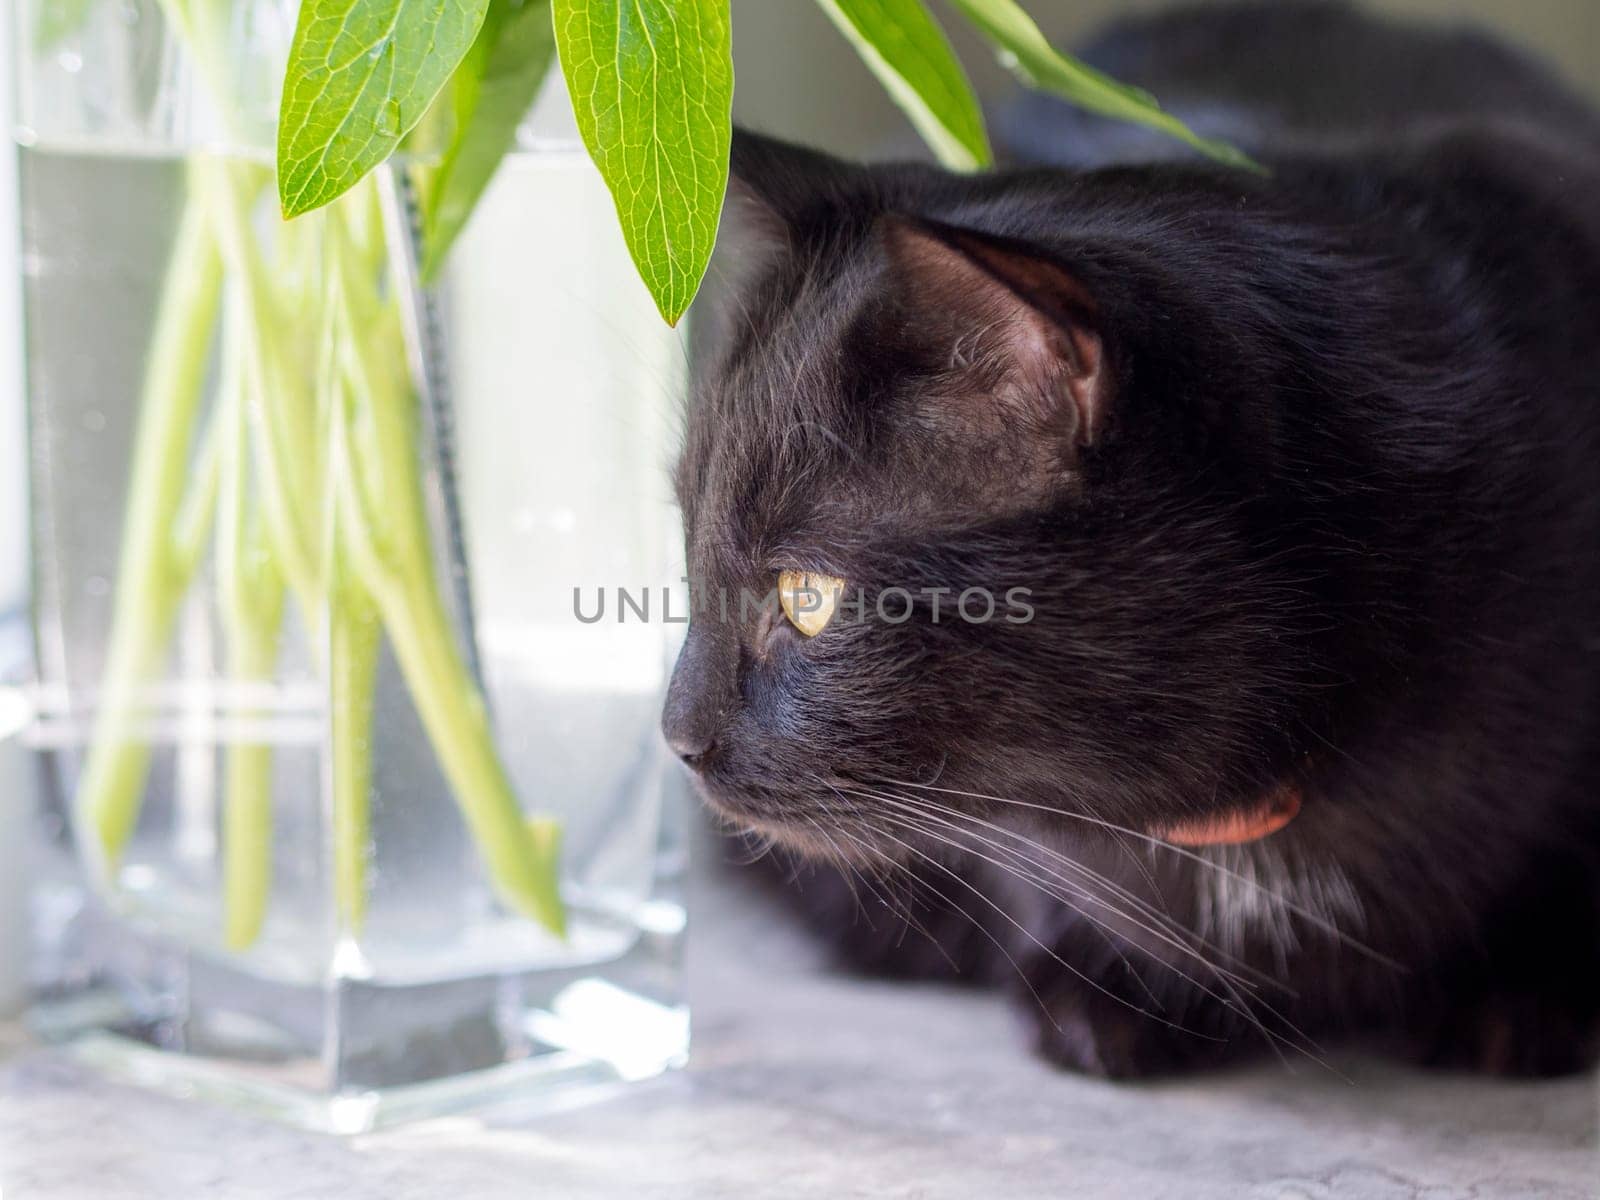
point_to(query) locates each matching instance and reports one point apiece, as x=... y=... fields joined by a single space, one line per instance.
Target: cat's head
x=993 y=395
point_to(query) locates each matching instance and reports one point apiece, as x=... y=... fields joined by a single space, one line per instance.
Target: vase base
x=347 y=1055
x=551 y=1077
x=548 y=1083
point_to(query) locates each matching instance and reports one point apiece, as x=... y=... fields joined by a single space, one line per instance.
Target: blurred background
x=13 y=482
x=781 y=48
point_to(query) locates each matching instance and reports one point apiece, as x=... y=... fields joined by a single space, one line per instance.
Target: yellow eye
x=809 y=600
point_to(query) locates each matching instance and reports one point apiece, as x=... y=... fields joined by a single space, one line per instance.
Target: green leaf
x=1032 y=59
x=652 y=85
x=492 y=90
x=911 y=57
x=361 y=74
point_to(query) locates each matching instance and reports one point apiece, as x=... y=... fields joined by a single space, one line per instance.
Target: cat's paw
x=1097 y=1034
x=1517 y=1035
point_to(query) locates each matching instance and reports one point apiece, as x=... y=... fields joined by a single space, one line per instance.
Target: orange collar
x=1275 y=810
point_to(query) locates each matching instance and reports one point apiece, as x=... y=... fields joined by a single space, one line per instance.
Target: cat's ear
x=777 y=186
x=1005 y=308
x=775 y=192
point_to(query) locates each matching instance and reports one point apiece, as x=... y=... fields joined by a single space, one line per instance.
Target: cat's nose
x=687 y=723
x=691 y=746
x=699 y=697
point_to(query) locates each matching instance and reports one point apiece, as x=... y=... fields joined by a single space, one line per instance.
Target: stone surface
x=807 y=1084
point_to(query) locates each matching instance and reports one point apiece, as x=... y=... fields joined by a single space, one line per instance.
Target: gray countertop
x=806 y=1083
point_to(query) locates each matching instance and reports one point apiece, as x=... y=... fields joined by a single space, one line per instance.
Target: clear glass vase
x=347 y=815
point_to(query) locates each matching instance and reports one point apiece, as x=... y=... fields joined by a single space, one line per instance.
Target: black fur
x=1338 y=530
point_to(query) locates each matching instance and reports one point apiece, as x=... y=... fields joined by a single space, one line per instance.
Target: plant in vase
x=306 y=479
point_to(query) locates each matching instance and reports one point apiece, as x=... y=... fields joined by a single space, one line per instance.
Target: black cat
x=1299 y=476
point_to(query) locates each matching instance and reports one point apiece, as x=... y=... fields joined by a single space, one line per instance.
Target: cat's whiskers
x=1145 y=917
x=756 y=845
x=902 y=908
x=1160 y=925
x=842 y=821
x=849 y=871
x=1231 y=982
x=922 y=884
x=1099 y=927
x=1101 y=881
x=1245 y=1007
x=1128 y=852
x=1050 y=953
x=1315 y=919
x=881 y=891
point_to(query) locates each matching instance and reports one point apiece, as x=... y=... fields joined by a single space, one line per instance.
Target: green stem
x=250 y=595
x=152 y=578
x=389 y=550
x=521 y=864
x=247 y=803
x=192 y=526
x=280 y=409
x=353 y=638
x=352 y=678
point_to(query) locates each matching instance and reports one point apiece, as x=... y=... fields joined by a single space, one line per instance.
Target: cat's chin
x=813 y=844
x=806 y=835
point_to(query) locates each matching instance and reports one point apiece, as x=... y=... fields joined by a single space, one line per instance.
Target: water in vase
x=543 y=420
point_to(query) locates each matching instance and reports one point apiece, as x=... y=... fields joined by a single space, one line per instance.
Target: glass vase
x=346 y=815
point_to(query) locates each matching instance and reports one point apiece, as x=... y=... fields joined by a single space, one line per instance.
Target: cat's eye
x=809 y=599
